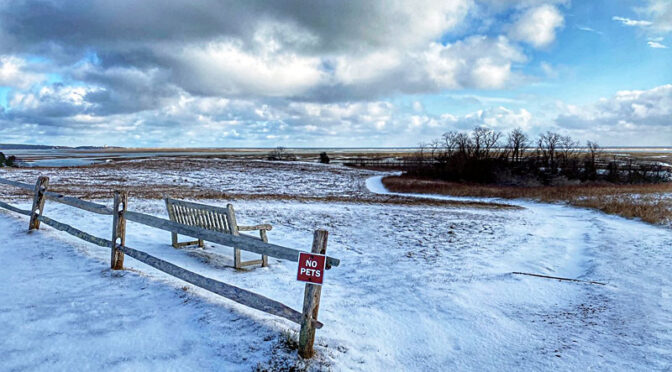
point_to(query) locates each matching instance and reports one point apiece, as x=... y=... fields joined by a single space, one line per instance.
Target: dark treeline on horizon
x=488 y=156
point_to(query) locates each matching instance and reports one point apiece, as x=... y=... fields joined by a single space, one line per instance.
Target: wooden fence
x=120 y=214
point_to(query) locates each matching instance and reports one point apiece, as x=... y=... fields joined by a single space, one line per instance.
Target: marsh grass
x=649 y=202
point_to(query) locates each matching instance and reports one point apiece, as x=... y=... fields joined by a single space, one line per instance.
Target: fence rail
x=307 y=319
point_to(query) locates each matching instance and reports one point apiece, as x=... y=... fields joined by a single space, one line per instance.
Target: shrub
x=281 y=153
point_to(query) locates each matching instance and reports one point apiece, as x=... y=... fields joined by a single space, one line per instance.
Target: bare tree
x=517 y=142
x=450 y=143
x=464 y=145
x=568 y=147
x=491 y=140
x=484 y=140
x=548 y=148
x=591 y=162
x=593 y=151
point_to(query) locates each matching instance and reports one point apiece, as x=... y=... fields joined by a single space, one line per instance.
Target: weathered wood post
x=38 y=202
x=118 y=229
x=264 y=238
x=311 y=301
x=233 y=227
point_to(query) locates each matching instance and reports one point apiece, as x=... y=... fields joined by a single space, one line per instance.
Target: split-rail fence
x=120 y=214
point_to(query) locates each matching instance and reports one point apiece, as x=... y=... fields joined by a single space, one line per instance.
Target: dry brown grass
x=647 y=202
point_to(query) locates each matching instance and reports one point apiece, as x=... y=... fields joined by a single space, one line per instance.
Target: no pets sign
x=311 y=268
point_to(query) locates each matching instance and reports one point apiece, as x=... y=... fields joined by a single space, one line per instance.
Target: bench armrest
x=264 y=226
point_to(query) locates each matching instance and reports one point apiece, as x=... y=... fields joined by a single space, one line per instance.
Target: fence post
x=38 y=202
x=118 y=229
x=311 y=301
x=264 y=238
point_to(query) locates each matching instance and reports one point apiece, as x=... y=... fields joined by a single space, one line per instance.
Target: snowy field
x=420 y=287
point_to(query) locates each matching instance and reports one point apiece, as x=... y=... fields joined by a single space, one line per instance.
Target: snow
x=425 y=288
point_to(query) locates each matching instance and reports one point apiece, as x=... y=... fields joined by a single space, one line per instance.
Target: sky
x=321 y=73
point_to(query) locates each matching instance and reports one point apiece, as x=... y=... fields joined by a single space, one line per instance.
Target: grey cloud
x=242 y=49
x=124 y=23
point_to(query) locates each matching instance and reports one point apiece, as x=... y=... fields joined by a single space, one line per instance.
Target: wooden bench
x=217 y=219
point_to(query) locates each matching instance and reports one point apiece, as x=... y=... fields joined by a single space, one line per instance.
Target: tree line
x=488 y=156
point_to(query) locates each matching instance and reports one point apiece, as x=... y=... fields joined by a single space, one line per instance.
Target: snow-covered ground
x=419 y=288
x=205 y=175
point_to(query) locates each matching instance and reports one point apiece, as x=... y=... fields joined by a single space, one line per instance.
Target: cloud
x=226 y=68
x=63 y=114
x=660 y=12
x=498 y=118
x=252 y=72
x=632 y=22
x=658 y=23
x=324 y=26
x=656 y=45
x=49 y=104
x=537 y=26
x=589 y=29
x=327 y=51
x=636 y=117
x=14 y=73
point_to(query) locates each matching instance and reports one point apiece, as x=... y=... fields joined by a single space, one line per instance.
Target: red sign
x=311 y=268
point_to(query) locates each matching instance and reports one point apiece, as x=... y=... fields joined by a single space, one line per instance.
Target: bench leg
x=237 y=263
x=201 y=244
x=174 y=236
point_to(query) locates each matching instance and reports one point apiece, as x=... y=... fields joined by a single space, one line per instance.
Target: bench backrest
x=201 y=215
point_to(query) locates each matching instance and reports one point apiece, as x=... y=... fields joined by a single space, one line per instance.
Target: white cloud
x=632 y=22
x=660 y=11
x=498 y=118
x=537 y=26
x=476 y=62
x=13 y=73
x=636 y=117
x=589 y=29
x=656 y=45
x=225 y=68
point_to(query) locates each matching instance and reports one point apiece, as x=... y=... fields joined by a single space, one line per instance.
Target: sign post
x=311 y=271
